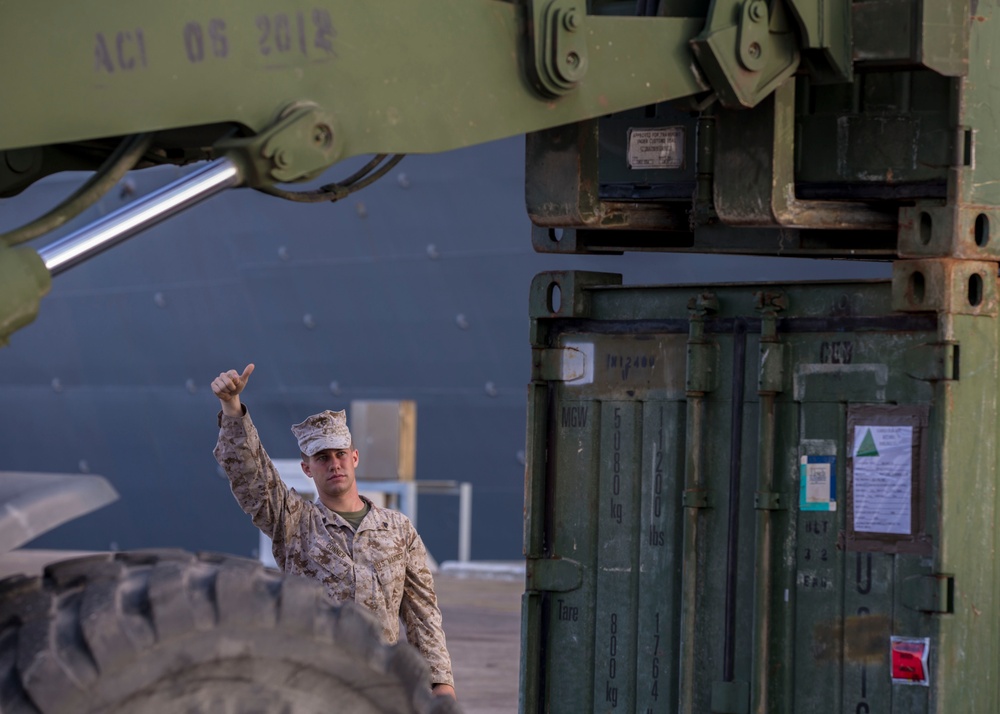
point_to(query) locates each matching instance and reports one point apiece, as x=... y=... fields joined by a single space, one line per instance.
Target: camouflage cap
x=326 y=430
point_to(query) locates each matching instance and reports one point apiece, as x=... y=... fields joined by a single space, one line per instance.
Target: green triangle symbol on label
x=867 y=447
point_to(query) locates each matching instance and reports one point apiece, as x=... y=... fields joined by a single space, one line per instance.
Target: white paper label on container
x=882 y=490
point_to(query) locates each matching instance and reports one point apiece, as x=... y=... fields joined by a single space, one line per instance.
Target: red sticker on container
x=909 y=660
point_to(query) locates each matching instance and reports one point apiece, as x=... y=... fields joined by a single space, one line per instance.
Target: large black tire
x=163 y=632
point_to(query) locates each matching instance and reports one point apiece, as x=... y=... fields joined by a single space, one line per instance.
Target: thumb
x=247 y=371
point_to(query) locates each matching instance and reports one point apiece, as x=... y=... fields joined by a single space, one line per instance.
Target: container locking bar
x=768 y=501
x=702 y=356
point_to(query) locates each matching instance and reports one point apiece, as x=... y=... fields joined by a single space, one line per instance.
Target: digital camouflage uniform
x=382 y=566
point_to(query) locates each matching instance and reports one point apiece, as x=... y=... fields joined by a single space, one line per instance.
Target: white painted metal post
x=464 y=522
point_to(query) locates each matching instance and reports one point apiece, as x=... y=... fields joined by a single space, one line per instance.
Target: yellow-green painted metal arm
x=396 y=77
x=285 y=90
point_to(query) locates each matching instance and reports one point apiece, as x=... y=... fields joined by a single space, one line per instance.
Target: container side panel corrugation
x=661 y=482
x=817 y=677
x=615 y=622
x=867 y=626
x=745 y=466
x=572 y=507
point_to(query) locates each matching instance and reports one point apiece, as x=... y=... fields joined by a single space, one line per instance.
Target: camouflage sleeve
x=421 y=613
x=254 y=480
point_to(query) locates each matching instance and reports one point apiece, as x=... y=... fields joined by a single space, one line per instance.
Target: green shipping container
x=763 y=498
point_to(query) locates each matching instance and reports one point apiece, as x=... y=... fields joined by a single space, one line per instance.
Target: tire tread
x=68 y=638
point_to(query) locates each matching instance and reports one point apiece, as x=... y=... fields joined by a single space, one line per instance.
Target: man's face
x=332 y=470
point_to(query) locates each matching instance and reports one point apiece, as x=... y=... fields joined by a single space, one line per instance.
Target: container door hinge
x=730 y=697
x=560 y=364
x=556 y=575
x=932 y=362
x=929 y=593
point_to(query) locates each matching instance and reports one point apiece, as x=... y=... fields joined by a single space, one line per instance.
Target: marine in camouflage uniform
x=359 y=551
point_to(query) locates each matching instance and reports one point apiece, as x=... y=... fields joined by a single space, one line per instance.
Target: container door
x=729 y=504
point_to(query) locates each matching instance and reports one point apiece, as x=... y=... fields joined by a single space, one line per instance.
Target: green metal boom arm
x=282 y=91
x=396 y=77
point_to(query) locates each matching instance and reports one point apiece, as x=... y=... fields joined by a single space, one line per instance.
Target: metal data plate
x=656 y=148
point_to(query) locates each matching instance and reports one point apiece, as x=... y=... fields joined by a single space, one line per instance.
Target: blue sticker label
x=818 y=483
